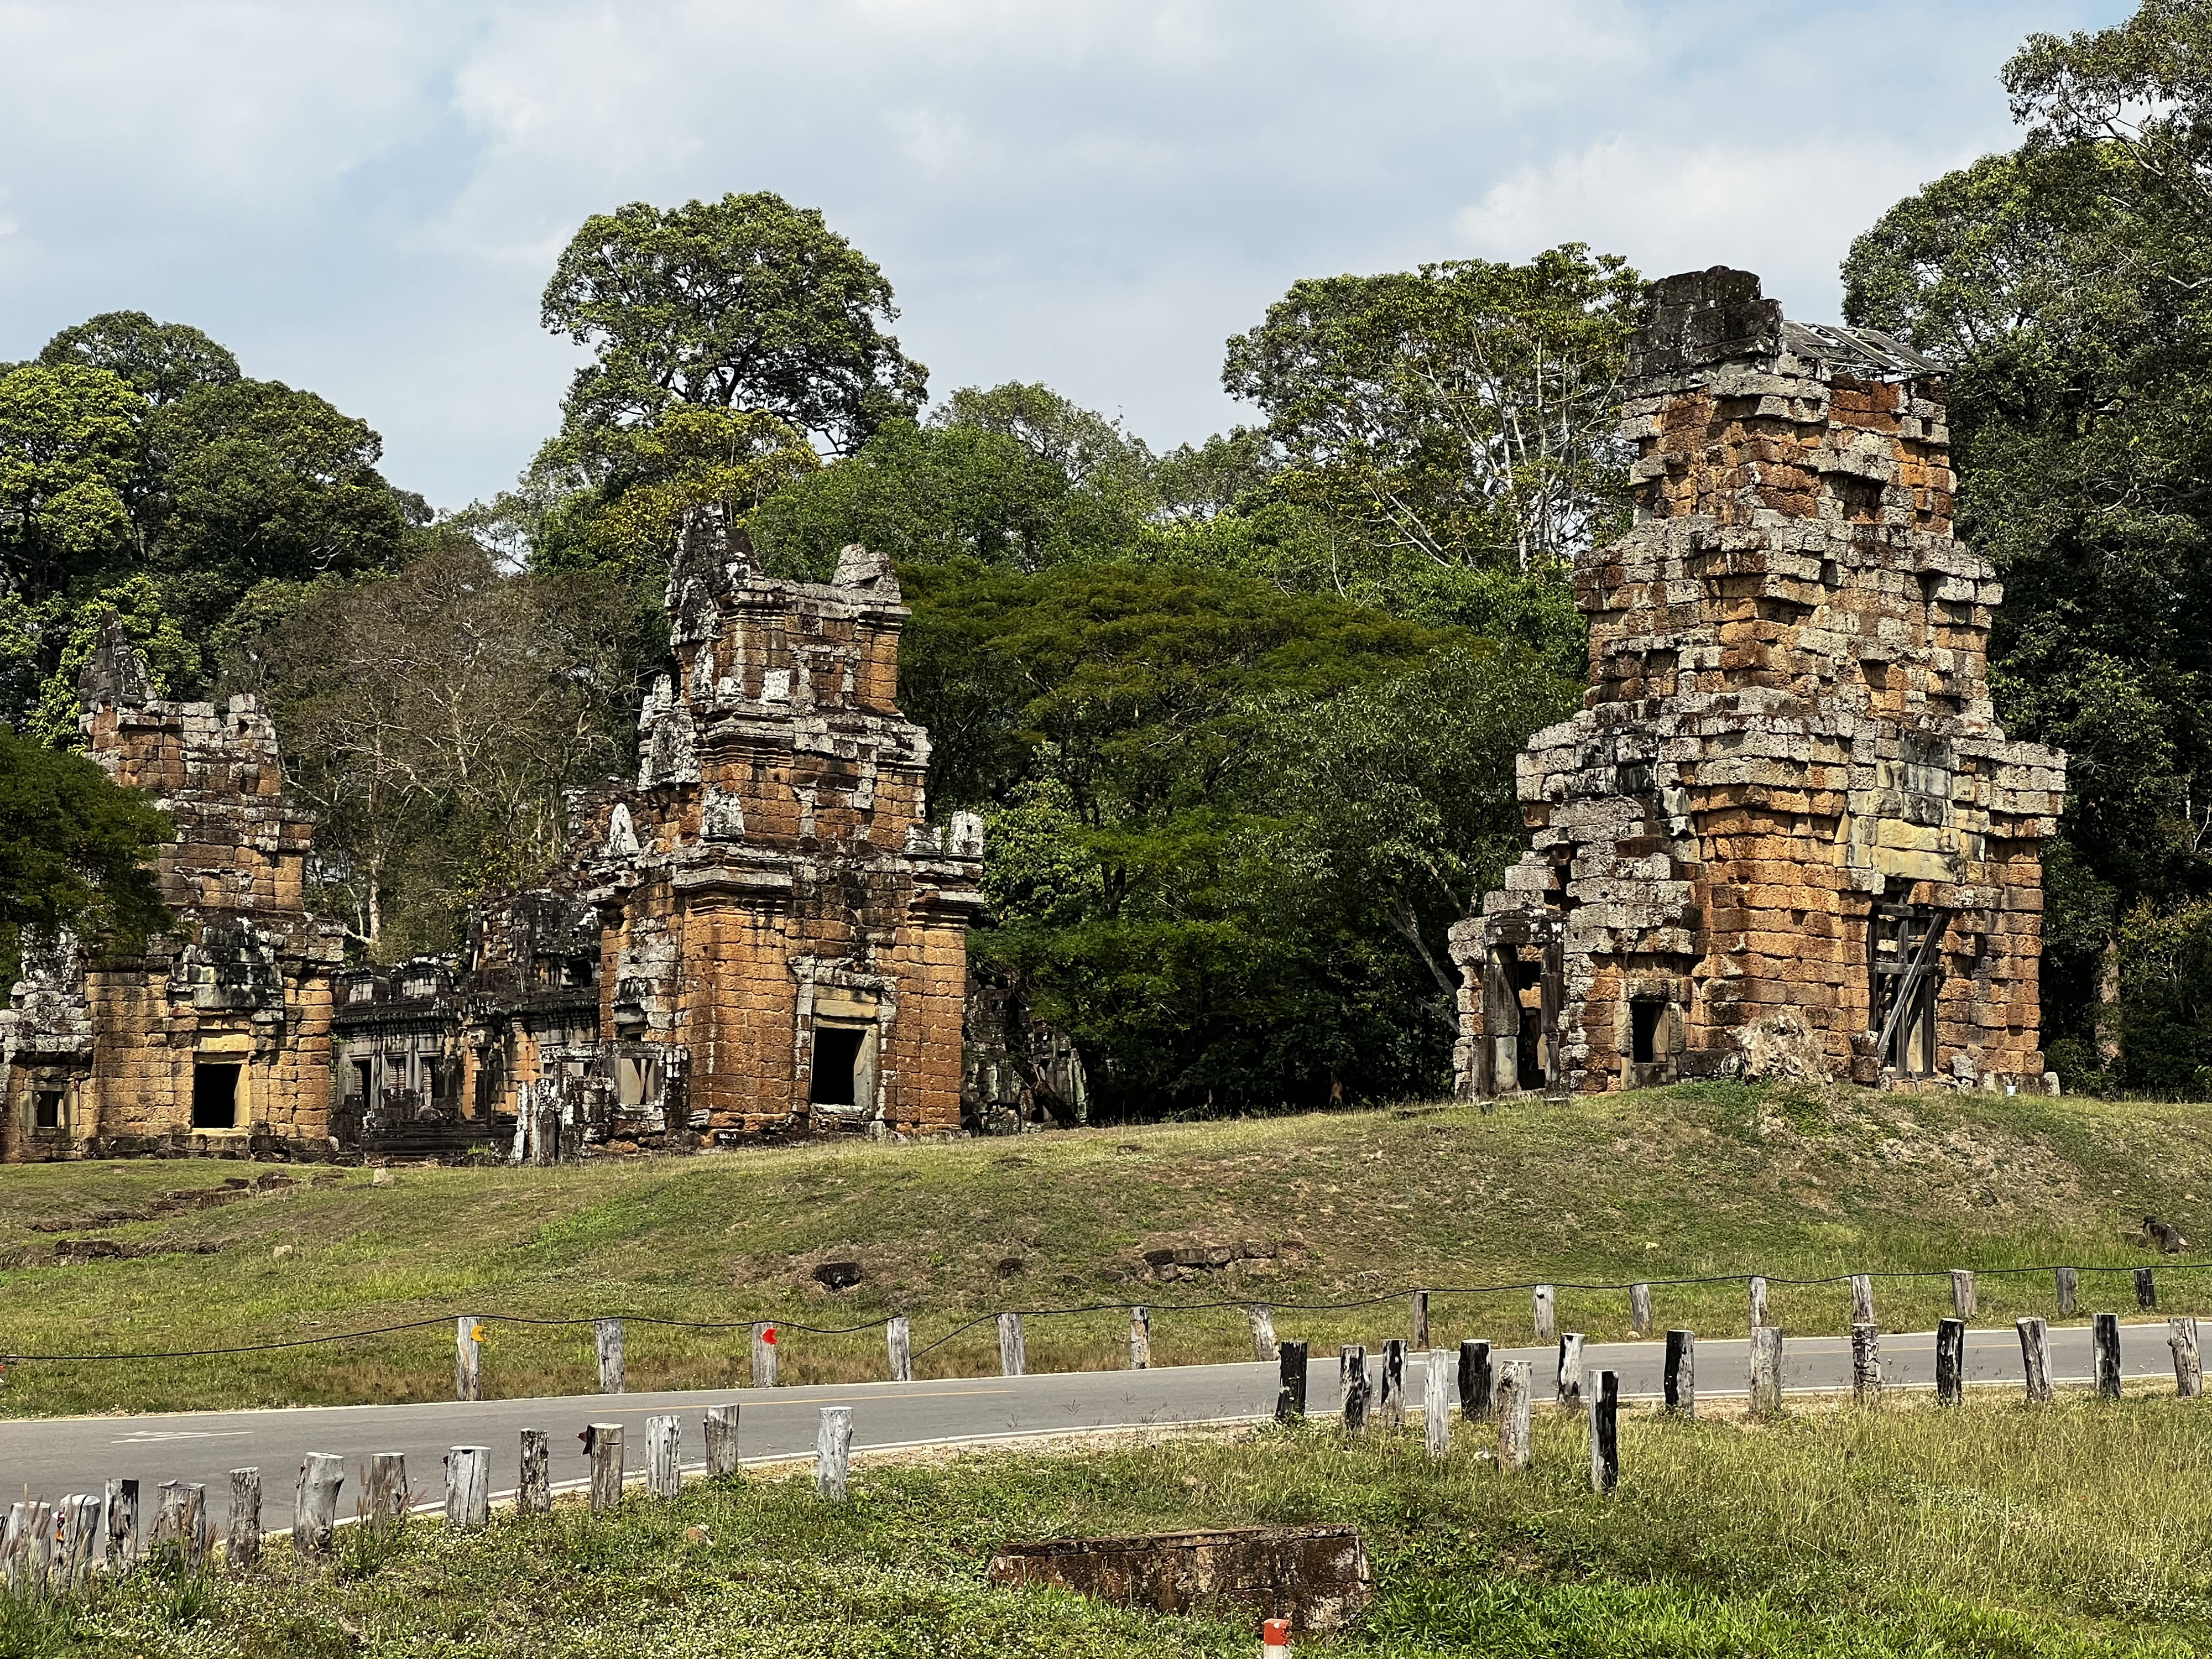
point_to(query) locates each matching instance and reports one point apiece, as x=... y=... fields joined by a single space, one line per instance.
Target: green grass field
x=1696 y=1180
x=1994 y=1530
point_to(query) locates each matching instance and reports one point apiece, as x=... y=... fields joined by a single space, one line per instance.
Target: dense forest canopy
x=1241 y=714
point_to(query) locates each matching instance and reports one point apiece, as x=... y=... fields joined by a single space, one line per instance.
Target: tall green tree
x=75 y=853
x=71 y=442
x=161 y=362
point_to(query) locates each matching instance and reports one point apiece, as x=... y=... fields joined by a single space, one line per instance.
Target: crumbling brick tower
x=217 y=1038
x=1786 y=834
x=779 y=912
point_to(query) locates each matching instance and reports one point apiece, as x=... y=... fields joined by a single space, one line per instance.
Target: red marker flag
x=768 y=1336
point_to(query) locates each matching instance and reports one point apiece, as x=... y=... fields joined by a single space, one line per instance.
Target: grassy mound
x=1678 y=1183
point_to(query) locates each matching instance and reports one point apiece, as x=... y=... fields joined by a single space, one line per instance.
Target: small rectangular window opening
x=215 y=1095
x=1643 y=1016
x=46 y=1109
x=836 y=1060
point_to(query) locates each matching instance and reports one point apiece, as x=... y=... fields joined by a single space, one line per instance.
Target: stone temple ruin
x=762 y=937
x=1785 y=836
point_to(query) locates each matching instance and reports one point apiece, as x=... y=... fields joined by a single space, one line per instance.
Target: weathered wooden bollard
x=2147 y=1289
x=180 y=1525
x=1962 y=1292
x=386 y=1494
x=1436 y=1402
x=833 y=1451
x=2104 y=1333
x=1570 y=1368
x=721 y=1441
x=1475 y=1382
x=1678 y=1377
x=1013 y=1353
x=122 y=1527
x=2188 y=1362
x=1290 y=1392
x=1543 y=1312
x=2067 y=1281
x=1865 y=1363
x=1756 y=1295
x=1417 y=1335
x=1766 y=1372
x=603 y=1447
x=533 y=1491
x=1262 y=1321
x=78 y=1534
x=241 y=1540
x=607 y=1335
x=27 y=1548
x=468 y=1487
x=1950 y=1361
x=315 y=1505
x=1639 y=1310
x=663 y=1455
x=468 y=1358
x=1862 y=1299
x=764 y=1356
x=898 y=1342
x=1140 y=1339
x=1604 y=1432
x=1357 y=1390
x=2035 y=1358
x=1390 y=1410
x=1515 y=1405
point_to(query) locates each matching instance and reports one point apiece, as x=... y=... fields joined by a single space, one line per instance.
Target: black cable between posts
x=1167 y=1308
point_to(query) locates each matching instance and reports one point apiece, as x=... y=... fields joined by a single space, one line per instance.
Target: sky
x=368 y=199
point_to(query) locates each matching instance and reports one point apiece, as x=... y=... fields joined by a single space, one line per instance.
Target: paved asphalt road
x=49 y=1457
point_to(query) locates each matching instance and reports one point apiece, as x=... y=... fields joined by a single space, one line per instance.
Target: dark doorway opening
x=837 y=1064
x=1643 y=1016
x=1906 y=952
x=47 y=1110
x=215 y=1095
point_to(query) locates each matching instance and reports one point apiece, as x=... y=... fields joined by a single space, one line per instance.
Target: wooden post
x=2035 y=1358
x=1436 y=1402
x=602 y=1445
x=241 y=1542
x=1474 y=1380
x=764 y=1364
x=1013 y=1356
x=315 y=1505
x=2188 y=1362
x=1862 y=1299
x=898 y=1340
x=609 y=1336
x=1390 y=1412
x=1514 y=1404
x=387 y=1494
x=2105 y=1333
x=1418 y=1338
x=1604 y=1432
x=1352 y=1376
x=833 y=1451
x=1140 y=1339
x=721 y=1441
x=2067 y=1280
x=28 y=1547
x=1865 y=1363
x=1570 y=1367
x=1290 y=1394
x=1543 y=1312
x=122 y=1527
x=77 y=1541
x=533 y=1491
x=663 y=1455
x=1950 y=1361
x=1757 y=1287
x=468 y=1487
x=2147 y=1289
x=1962 y=1292
x=1264 y=1346
x=1766 y=1372
x=1679 y=1382
x=180 y=1525
x=1639 y=1310
x=468 y=1358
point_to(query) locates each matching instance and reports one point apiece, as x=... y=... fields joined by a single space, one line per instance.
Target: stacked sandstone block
x=1788 y=724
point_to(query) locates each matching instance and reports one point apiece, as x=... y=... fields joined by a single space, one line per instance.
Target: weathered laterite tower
x=1786 y=832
